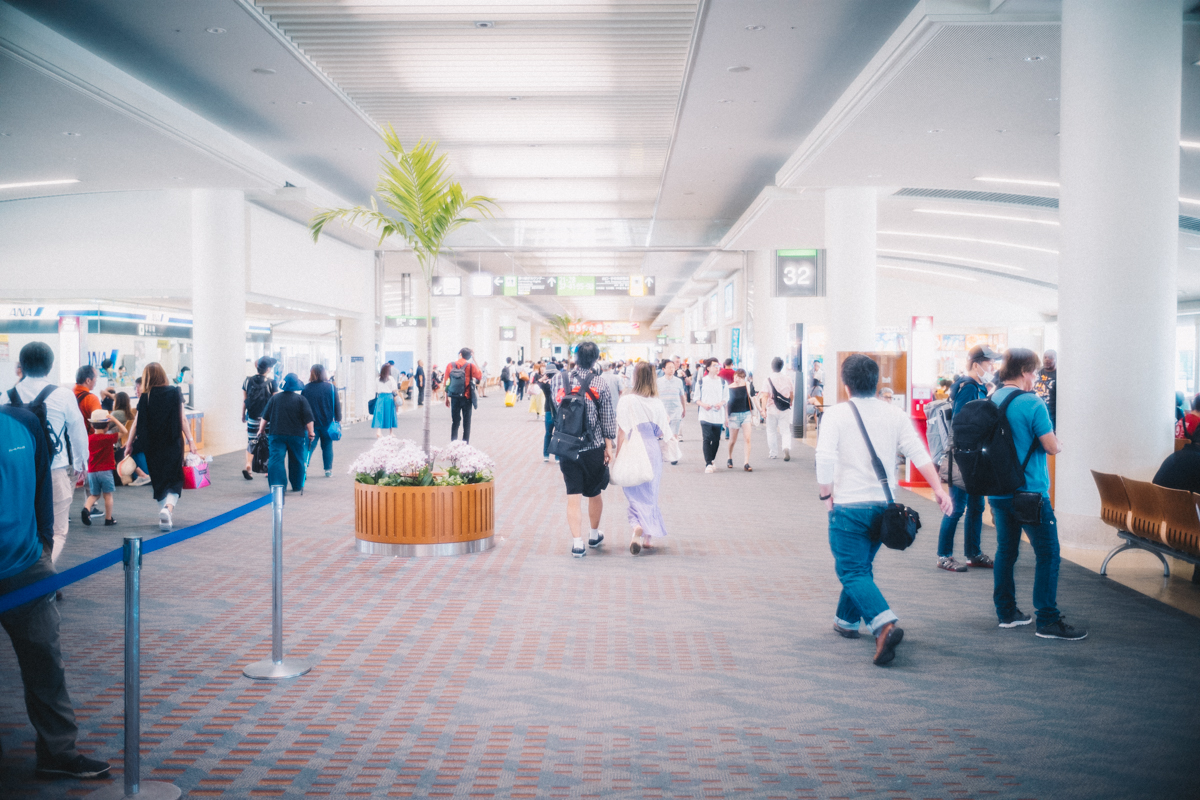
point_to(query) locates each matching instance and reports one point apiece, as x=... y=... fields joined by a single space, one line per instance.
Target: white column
x=770 y=316
x=1119 y=162
x=219 y=315
x=359 y=336
x=850 y=214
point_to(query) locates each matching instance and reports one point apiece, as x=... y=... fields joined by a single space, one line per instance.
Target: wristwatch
x=824 y=496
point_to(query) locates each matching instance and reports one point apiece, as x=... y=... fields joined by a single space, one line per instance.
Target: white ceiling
x=632 y=147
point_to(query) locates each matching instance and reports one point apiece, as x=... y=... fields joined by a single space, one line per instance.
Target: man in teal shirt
x=26 y=532
x=1031 y=427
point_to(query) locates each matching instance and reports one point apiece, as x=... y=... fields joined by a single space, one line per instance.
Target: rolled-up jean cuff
x=844 y=625
x=881 y=619
x=169 y=499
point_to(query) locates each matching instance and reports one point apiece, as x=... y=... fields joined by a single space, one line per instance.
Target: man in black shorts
x=588 y=476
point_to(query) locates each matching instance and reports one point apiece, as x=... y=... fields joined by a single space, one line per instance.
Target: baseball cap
x=981 y=352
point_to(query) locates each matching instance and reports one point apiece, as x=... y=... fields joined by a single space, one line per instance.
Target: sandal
x=748 y=468
x=729 y=463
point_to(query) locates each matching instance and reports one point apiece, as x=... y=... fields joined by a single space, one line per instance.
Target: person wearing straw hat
x=26 y=536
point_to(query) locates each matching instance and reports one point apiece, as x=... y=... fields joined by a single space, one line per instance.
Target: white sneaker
x=546 y=459
x=164 y=519
x=142 y=481
x=710 y=469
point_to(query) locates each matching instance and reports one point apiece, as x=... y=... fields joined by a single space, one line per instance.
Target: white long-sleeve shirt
x=63 y=415
x=844 y=460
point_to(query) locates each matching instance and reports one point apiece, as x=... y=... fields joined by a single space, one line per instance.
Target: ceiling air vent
x=982 y=197
x=1189 y=224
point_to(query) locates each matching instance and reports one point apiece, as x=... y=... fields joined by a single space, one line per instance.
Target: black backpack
x=55 y=440
x=258 y=395
x=505 y=374
x=456 y=380
x=571 y=432
x=984 y=449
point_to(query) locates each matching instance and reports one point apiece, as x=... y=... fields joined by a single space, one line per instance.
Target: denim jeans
x=1043 y=538
x=972 y=504
x=33 y=629
x=326 y=448
x=851 y=526
x=549 y=415
x=295 y=450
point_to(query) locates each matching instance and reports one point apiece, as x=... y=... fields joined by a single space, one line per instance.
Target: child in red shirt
x=101 y=463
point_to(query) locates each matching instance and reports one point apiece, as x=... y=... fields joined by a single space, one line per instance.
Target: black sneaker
x=982 y=561
x=578 y=552
x=599 y=540
x=1059 y=629
x=950 y=565
x=86 y=513
x=108 y=522
x=845 y=633
x=76 y=766
x=1015 y=619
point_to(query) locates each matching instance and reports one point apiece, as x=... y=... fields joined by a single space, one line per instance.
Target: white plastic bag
x=632 y=466
x=674 y=452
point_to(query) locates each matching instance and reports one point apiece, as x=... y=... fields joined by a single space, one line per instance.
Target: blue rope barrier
x=88 y=568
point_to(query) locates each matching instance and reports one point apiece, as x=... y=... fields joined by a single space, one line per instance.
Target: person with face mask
x=972 y=386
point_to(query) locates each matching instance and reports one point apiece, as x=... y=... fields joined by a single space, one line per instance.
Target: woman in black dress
x=159 y=430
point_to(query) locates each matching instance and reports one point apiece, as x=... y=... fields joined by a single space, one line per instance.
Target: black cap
x=981 y=353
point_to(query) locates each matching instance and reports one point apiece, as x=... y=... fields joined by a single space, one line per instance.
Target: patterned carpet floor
x=705 y=670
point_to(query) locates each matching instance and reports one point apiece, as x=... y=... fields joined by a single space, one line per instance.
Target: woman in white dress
x=641 y=412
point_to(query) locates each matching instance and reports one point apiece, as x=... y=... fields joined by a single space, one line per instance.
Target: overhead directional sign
x=573 y=285
x=447 y=286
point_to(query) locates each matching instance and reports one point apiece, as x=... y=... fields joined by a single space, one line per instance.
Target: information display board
x=570 y=285
x=799 y=273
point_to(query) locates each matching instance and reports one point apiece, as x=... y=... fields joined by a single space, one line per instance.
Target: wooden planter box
x=424 y=520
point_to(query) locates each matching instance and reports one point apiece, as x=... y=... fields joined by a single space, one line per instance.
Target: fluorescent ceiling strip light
x=929 y=272
x=27 y=184
x=1023 y=181
x=985 y=216
x=968 y=239
x=943 y=257
x=1190 y=145
x=1195 y=201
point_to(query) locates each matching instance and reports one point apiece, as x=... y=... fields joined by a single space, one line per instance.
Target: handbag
x=632 y=466
x=262 y=454
x=371 y=406
x=335 y=431
x=195 y=472
x=899 y=525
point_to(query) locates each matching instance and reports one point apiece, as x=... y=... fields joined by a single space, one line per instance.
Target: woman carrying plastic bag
x=642 y=424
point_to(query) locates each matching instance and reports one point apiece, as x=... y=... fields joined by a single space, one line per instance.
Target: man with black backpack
x=1001 y=446
x=461 y=379
x=62 y=423
x=257 y=391
x=583 y=439
x=972 y=386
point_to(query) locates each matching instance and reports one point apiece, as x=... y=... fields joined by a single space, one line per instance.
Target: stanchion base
x=271 y=671
x=147 y=790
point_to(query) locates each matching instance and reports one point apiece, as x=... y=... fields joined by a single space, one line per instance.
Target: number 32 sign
x=799 y=273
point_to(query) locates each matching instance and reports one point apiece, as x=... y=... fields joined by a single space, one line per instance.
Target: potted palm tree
x=562 y=326
x=412 y=505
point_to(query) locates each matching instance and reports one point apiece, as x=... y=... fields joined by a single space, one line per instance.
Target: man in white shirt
x=62 y=414
x=780 y=390
x=855 y=498
x=670 y=391
x=611 y=378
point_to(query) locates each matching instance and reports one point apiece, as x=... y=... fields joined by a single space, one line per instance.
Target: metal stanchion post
x=276 y=668
x=133 y=785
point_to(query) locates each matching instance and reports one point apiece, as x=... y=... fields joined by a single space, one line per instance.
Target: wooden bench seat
x=1162 y=521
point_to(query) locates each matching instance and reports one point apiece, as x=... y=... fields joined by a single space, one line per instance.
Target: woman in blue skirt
x=386 y=393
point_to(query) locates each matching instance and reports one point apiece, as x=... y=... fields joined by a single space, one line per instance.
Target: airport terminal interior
x=247 y=550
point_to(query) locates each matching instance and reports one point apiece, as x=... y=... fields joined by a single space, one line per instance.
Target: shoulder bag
x=899 y=525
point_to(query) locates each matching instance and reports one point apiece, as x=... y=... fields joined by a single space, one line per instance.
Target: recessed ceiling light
x=984 y=216
x=5 y=134
x=27 y=184
x=71 y=133
x=1051 y=99
x=515 y=97
x=876 y=175
x=304 y=102
x=755 y=27
x=941 y=256
x=1024 y=181
x=1193 y=201
x=485 y=24
x=934 y=130
x=264 y=70
x=1035 y=58
x=739 y=69
x=215 y=30
x=1001 y=130
x=1190 y=145
x=176 y=178
x=968 y=239
x=724 y=101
